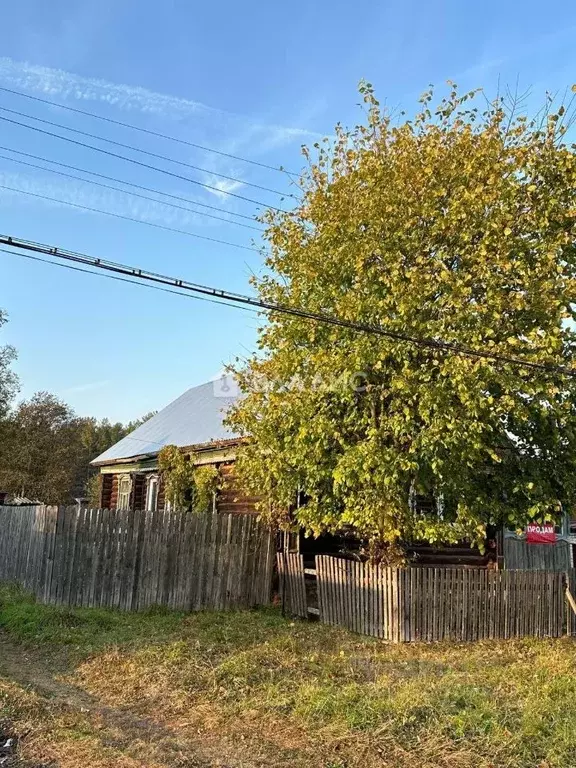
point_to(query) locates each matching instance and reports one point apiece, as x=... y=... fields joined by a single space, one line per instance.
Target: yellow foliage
x=187 y=486
x=457 y=225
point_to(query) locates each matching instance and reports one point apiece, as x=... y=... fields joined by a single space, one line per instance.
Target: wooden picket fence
x=133 y=560
x=430 y=604
x=522 y=555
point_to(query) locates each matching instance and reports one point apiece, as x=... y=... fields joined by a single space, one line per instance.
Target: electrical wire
x=132 y=282
x=138 y=273
x=127 y=192
x=132 y=148
x=147 y=131
x=142 y=165
x=128 y=183
x=128 y=218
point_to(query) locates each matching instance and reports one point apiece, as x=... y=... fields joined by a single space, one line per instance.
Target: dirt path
x=133 y=735
x=26 y=667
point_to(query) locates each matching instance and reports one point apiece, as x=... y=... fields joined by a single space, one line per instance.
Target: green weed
x=350 y=701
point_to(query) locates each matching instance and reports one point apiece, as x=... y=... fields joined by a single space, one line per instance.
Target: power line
x=126 y=191
x=132 y=282
x=128 y=218
x=127 y=183
x=242 y=299
x=142 y=165
x=132 y=148
x=148 y=131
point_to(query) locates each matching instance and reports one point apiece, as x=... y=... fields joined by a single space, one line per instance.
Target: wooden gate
x=292 y=584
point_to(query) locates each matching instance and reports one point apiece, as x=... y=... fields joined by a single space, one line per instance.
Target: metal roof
x=195 y=418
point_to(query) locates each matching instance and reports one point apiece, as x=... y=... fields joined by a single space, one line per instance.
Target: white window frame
x=123 y=501
x=437 y=500
x=152 y=487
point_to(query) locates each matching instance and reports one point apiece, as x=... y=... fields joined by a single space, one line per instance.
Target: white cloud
x=227 y=132
x=70 y=87
x=67 y=86
x=85 y=195
x=515 y=50
x=87 y=387
x=222 y=187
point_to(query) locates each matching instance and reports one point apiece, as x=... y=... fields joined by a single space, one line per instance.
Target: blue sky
x=255 y=79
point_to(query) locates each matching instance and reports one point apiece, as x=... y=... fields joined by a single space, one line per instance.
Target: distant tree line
x=45 y=448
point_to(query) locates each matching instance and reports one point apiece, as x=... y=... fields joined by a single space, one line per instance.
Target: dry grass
x=55 y=734
x=253 y=689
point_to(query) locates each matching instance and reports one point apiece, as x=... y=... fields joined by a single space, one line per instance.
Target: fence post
x=396 y=608
x=282 y=556
x=570 y=601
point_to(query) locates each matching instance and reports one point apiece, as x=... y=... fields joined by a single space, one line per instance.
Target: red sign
x=540 y=534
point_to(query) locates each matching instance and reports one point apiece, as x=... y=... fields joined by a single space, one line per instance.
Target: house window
x=426 y=504
x=124 y=492
x=152 y=494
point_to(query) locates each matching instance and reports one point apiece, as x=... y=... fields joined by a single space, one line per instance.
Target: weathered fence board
x=521 y=555
x=133 y=560
x=435 y=604
x=292 y=583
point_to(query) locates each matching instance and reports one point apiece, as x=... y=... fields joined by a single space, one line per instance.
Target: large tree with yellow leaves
x=459 y=226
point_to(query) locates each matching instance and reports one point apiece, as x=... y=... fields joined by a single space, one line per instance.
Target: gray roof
x=195 y=418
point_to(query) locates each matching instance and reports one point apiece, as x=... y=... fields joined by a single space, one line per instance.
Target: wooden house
x=129 y=477
x=195 y=423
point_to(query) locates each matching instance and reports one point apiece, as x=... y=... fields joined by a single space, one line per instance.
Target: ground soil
x=90 y=688
x=133 y=735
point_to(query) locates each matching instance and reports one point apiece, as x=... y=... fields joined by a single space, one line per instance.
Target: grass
x=86 y=629
x=55 y=735
x=262 y=690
